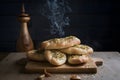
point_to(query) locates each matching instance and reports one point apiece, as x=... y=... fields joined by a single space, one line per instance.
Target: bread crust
x=55 y=57
x=78 y=49
x=60 y=43
x=36 y=55
x=77 y=59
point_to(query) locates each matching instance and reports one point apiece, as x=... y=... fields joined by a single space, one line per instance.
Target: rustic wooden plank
x=110 y=69
x=33 y=67
x=38 y=67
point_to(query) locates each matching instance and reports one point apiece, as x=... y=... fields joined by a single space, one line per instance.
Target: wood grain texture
x=110 y=69
x=38 y=67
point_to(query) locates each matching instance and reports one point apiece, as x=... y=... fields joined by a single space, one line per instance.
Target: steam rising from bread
x=55 y=11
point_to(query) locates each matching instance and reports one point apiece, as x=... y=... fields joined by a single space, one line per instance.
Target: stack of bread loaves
x=59 y=50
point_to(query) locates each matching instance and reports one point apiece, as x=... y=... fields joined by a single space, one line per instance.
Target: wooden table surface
x=110 y=70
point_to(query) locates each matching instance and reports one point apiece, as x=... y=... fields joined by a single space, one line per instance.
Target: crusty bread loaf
x=55 y=57
x=36 y=55
x=55 y=50
x=78 y=49
x=77 y=59
x=60 y=43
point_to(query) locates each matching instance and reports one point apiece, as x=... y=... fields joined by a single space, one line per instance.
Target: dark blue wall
x=95 y=22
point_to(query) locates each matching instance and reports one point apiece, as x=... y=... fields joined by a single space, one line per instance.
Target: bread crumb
x=75 y=77
x=41 y=77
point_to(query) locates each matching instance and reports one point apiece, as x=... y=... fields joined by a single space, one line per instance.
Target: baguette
x=55 y=57
x=77 y=59
x=36 y=55
x=60 y=43
x=78 y=49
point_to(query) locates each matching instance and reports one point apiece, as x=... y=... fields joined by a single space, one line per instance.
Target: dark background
x=95 y=22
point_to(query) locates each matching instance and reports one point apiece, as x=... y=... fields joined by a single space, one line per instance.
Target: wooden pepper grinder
x=24 y=42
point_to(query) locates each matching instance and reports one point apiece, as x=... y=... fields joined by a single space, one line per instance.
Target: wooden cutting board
x=38 y=67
